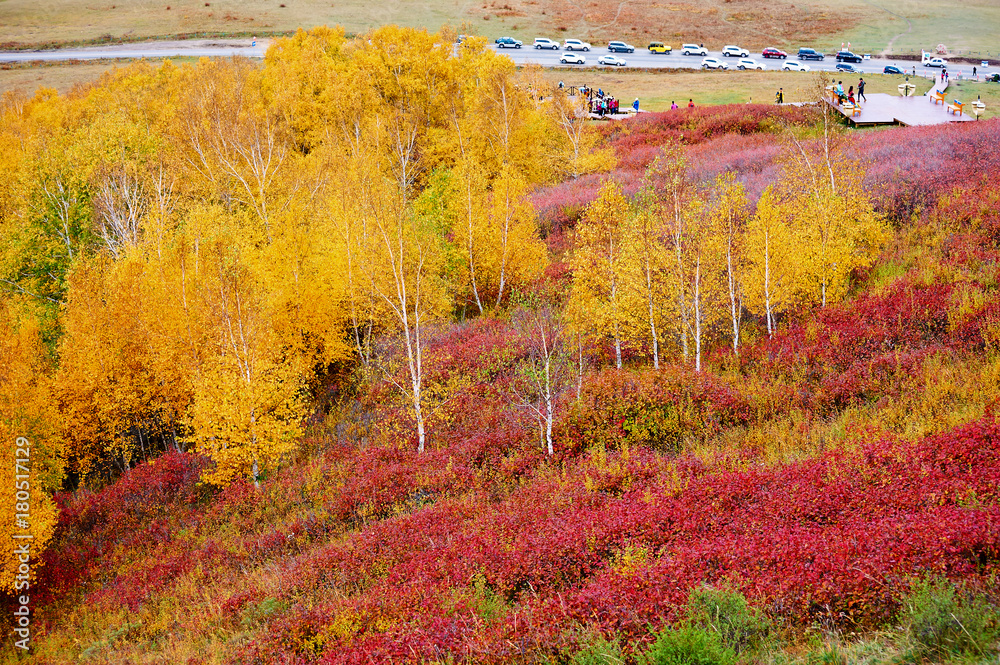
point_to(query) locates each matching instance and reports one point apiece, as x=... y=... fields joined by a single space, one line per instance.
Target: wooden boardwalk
x=882 y=109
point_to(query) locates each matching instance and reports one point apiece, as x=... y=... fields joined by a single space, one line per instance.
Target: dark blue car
x=892 y=69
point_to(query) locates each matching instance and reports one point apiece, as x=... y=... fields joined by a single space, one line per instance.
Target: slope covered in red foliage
x=484 y=550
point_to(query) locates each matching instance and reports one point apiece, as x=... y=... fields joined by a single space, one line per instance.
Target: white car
x=543 y=42
x=794 y=66
x=935 y=62
x=750 y=63
x=713 y=63
x=613 y=60
x=575 y=45
x=572 y=59
x=693 y=49
x=735 y=52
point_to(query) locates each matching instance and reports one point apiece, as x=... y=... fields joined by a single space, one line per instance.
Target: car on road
x=935 y=62
x=794 y=66
x=620 y=47
x=731 y=51
x=993 y=78
x=847 y=67
x=771 y=52
x=508 y=42
x=544 y=42
x=693 y=49
x=659 y=47
x=847 y=56
x=750 y=63
x=810 y=54
x=713 y=63
x=575 y=45
x=572 y=59
x=613 y=60
x=892 y=69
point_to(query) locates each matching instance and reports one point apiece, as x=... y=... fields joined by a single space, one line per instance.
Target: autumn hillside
x=381 y=354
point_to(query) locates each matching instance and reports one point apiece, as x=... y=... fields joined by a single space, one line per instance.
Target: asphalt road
x=641 y=58
x=194 y=48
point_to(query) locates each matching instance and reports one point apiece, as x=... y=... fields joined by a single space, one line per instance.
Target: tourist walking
x=861 y=90
x=779 y=97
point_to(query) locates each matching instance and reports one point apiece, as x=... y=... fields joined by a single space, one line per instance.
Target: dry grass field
x=62 y=77
x=903 y=25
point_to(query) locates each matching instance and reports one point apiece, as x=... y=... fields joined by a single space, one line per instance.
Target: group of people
x=600 y=103
x=673 y=105
x=849 y=95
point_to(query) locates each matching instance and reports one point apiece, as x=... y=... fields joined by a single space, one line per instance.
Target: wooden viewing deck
x=883 y=109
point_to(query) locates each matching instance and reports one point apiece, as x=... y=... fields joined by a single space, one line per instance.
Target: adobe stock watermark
x=22 y=542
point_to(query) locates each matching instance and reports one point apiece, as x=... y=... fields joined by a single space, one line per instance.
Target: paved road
x=642 y=58
x=195 y=48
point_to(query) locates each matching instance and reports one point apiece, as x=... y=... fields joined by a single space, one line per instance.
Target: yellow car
x=659 y=47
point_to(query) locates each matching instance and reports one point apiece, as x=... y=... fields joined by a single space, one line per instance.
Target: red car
x=771 y=52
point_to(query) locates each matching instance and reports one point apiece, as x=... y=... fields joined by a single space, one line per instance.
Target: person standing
x=779 y=97
x=861 y=90
x=673 y=106
x=635 y=104
x=690 y=103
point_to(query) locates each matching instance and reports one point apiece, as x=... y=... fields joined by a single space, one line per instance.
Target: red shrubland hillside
x=820 y=472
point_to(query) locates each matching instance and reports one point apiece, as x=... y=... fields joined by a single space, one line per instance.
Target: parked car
x=508 y=42
x=544 y=42
x=693 y=49
x=794 y=66
x=750 y=63
x=892 y=69
x=713 y=63
x=810 y=54
x=847 y=56
x=771 y=52
x=847 y=67
x=572 y=59
x=613 y=60
x=575 y=45
x=992 y=78
x=620 y=47
x=735 y=52
x=935 y=62
x=659 y=47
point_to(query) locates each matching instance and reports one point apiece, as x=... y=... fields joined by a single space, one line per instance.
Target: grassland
x=29 y=77
x=903 y=26
x=656 y=90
